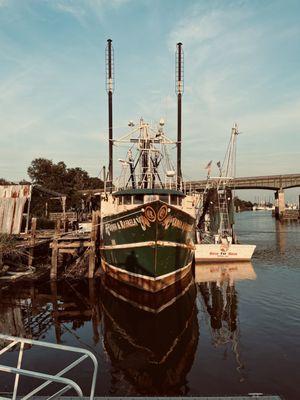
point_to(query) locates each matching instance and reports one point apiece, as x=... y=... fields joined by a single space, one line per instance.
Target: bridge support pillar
x=279 y=204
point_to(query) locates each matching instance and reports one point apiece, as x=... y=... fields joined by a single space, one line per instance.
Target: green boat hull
x=150 y=246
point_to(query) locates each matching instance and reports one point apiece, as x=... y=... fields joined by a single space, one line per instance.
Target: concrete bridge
x=276 y=183
x=271 y=182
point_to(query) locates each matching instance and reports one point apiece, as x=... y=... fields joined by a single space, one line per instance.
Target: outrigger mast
x=179 y=92
x=110 y=89
x=150 y=158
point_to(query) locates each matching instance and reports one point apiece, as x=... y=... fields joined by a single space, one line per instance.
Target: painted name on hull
x=149 y=216
x=222 y=254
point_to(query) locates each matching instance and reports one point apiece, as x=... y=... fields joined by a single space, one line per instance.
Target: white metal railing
x=67 y=383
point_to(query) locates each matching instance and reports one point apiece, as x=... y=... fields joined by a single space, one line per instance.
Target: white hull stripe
x=146 y=308
x=152 y=243
x=149 y=278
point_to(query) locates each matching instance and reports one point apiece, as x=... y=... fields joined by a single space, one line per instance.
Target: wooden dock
x=60 y=245
x=75 y=243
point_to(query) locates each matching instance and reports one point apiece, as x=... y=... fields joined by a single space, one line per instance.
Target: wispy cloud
x=82 y=10
x=233 y=74
x=74 y=9
x=241 y=65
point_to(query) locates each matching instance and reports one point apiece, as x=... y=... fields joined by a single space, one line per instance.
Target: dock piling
x=57 y=228
x=54 y=260
x=33 y=231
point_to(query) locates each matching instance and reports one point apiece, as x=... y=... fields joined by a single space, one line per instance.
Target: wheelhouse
x=144 y=196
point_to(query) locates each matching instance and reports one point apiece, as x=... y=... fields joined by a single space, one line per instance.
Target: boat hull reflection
x=148 y=301
x=153 y=349
x=231 y=271
x=219 y=298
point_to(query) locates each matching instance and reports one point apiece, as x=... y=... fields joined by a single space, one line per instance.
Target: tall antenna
x=179 y=92
x=109 y=58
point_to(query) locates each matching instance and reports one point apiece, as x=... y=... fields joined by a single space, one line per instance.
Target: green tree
x=58 y=177
x=242 y=204
x=45 y=173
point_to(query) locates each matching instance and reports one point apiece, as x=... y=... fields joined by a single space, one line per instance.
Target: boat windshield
x=133 y=198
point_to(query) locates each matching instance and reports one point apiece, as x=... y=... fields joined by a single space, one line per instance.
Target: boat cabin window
x=150 y=197
x=138 y=199
x=174 y=199
x=164 y=198
x=127 y=199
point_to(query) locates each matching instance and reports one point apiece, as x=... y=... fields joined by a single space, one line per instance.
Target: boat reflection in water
x=151 y=338
x=219 y=297
x=221 y=273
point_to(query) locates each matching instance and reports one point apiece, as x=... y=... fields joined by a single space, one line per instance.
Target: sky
x=241 y=65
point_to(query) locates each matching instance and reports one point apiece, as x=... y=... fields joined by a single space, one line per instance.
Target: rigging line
x=156 y=171
x=100 y=172
x=235 y=163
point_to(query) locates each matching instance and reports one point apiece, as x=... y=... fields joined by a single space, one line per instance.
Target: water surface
x=235 y=331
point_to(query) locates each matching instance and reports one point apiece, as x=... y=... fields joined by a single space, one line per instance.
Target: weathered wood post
x=57 y=228
x=32 y=241
x=54 y=260
x=33 y=231
x=54 y=257
x=65 y=224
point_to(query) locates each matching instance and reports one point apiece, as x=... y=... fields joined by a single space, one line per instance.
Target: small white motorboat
x=223 y=252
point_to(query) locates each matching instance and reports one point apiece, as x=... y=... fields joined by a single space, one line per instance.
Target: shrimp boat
x=216 y=239
x=147 y=221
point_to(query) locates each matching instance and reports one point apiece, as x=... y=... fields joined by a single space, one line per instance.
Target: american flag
x=208 y=165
